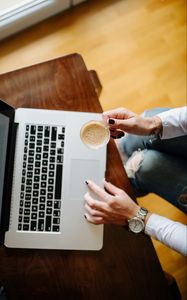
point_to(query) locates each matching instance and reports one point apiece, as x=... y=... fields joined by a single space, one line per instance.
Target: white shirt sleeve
x=174 y=122
x=172 y=234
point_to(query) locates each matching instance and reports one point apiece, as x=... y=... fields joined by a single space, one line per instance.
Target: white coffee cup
x=95 y=134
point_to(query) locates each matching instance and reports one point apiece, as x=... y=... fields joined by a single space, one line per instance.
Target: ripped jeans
x=162 y=165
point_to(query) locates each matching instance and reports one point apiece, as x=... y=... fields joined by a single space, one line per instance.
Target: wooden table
x=127 y=267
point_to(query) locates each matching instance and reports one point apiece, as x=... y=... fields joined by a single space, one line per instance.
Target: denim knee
x=159 y=173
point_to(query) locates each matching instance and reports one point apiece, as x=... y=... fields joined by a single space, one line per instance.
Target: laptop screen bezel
x=9 y=112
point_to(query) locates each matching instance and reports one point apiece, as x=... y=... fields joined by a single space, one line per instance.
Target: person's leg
x=152 y=171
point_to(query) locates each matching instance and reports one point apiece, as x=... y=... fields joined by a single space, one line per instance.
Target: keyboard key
x=43 y=184
x=46 y=141
x=39 y=142
x=59 y=158
x=34 y=200
x=56 y=213
x=41 y=224
x=54 y=133
x=56 y=228
x=53 y=145
x=33 y=225
x=38 y=156
x=44 y=170
x=46 y=148
x=34 y=216
x=52 y=159
x=42 y=199
x=34 y=208
x=19 y=226
x=47 y=131
x=41 y=214
x=36 y=178
x=28 y=189
x=26 y=212
x=56 y=221
x=39 y=135
x=25 y=226
x=52 y=152
x=27 y=204
x=31 y=145
x=61 y=136
x=49 y=203
x=36 y=186
x=42 y=206
x=28 y=196
x=58 y=182
x=40 y=128
x=45 y=155
x=26 y=219
x=49 y=211
x=32 y=138
x=57 y=204
x=48 y=223
x=31 y=160
x=44 y=177
x=37 y=164
x=33 y=129
x=49 y=196
x=38 y=149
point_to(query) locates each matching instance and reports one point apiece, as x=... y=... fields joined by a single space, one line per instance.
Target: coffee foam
x=95 y=134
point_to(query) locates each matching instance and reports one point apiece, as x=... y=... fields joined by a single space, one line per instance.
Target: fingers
x=98 y=191
x=112 y=189
x=118 y=113
x=120 y=119
x=94 y=210
x=94 y=204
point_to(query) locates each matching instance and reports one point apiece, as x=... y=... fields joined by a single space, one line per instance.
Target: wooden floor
x=138 y=48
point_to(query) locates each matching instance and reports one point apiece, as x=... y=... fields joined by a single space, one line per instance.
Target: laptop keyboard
x=40 y=196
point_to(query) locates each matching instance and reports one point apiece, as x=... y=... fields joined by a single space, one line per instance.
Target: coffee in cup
x=95 y=134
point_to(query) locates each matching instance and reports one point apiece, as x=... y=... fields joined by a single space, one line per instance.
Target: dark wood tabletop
x=127 y=267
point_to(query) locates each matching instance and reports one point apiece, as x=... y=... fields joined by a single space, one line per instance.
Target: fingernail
x=111 y=121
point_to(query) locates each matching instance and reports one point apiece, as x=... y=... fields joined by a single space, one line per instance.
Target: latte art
x=95 y=134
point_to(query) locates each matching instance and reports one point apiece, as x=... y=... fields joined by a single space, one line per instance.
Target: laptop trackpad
x=80 y=171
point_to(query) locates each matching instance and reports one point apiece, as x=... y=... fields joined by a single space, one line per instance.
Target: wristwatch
x=136 y=224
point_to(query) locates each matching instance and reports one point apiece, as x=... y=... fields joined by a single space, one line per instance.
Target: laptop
x=43 y=169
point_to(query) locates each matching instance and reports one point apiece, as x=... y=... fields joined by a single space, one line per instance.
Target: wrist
x=156 y=125
x=137 y=223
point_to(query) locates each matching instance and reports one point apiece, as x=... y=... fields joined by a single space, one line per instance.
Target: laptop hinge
x=4 y=226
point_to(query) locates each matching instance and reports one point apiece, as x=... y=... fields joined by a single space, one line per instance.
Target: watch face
x=136 y=225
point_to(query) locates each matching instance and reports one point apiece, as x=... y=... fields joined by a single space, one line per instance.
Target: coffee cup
x=95 y=134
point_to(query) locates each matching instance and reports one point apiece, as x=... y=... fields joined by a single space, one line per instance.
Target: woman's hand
x=123 y=120
x=112 y=206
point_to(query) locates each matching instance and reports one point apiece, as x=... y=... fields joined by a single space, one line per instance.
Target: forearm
x=170 y=233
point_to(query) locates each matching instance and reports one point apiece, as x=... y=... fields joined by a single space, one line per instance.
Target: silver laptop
x=43 y=169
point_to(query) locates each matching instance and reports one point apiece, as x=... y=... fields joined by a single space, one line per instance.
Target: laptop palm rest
x=89 y=170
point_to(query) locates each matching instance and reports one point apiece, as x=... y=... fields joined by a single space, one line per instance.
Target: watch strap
x=142 y=213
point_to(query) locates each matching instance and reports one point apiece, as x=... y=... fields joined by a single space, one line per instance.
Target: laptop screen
x=6 y=121
x=4 y=129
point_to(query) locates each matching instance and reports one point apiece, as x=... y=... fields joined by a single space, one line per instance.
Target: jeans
x=163 y=168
